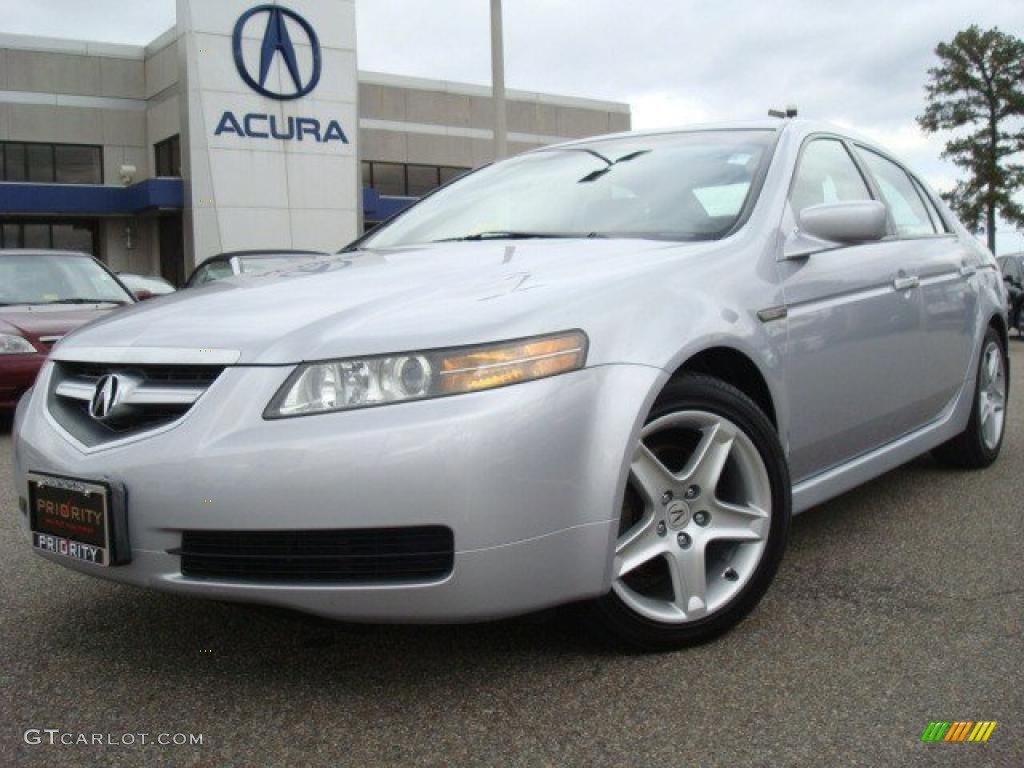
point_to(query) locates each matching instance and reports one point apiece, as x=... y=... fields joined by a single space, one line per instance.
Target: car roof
x=42 y=252
x=268 y=253
x=799 y=126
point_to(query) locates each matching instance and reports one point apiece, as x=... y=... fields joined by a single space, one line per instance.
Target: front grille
x=181 y=375
x=360 y=556
x=158 y=395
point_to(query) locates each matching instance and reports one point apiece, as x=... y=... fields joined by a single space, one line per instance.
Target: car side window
x=217 y=270
x=933 y=209
x=898 y=192
x=826 y=174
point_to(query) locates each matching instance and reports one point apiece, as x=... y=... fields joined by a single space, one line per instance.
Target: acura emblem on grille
x=105 y=400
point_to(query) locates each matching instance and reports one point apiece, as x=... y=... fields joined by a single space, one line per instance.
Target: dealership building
x=246 y=126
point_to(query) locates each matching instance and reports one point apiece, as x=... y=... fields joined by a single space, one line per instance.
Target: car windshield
x=35 y=278
x=261 y=265
x=684 y=186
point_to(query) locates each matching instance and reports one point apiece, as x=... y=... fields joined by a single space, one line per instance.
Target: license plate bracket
x=79 y=519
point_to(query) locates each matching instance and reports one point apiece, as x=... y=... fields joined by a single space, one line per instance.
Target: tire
x=691 y=564
x=977 y=447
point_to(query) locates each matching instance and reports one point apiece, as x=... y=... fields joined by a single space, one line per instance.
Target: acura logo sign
x=112 y=396
x=104 y=400
x=277 y=42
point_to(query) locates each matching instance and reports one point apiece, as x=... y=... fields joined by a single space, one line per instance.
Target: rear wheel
x=704 y=519
x=978 y=445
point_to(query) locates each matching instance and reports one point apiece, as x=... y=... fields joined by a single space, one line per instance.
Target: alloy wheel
x=992 y=396
x=695 y=519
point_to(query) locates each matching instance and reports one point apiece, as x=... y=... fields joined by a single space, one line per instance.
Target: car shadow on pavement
x=161 y=632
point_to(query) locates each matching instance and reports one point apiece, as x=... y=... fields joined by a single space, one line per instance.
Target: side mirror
x=142 y=294
x=861 y=221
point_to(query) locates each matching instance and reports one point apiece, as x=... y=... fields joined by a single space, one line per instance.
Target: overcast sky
x=862 y=64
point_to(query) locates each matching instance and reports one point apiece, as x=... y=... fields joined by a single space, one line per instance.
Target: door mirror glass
x=847 y=223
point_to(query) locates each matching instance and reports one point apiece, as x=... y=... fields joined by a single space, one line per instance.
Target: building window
x=421 y=179
x=14 y=163
x=389 y=178
x=78 y=165
x=407 y=180
x=168 y=157
x=450 y=174
x=40 y=163
x=62 y=235
x=51 y=163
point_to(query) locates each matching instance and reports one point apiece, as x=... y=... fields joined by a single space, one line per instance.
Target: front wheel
x=704 y=519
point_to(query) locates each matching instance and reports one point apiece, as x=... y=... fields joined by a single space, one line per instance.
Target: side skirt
x=833 y=482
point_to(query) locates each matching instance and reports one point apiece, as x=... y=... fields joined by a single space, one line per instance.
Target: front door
x=853 y=359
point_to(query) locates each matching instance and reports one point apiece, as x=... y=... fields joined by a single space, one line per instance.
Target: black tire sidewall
x=699 y=392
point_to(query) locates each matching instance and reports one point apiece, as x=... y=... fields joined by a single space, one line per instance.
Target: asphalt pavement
x=897 y=604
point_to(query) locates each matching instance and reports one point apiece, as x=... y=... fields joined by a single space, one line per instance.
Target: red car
x=43 y=296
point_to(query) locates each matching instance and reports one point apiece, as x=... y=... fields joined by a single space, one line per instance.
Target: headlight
x=15 y=345
x=341 y=385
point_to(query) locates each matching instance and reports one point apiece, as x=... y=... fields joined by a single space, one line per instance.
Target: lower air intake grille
x=362 y=556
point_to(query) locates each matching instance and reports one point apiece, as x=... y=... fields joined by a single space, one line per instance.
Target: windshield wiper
x=513 y=235
x=595 y=175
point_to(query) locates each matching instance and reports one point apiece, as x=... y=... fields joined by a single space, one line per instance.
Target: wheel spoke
x=638 y=546
x=706 y=465
x=689 y=580
x=737 y=522
x=652 y=477
x=985 y=410
x=992 y=365
x=990 y=423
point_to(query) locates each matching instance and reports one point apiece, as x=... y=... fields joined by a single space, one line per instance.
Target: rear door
x=945 y=269
x=853 y=359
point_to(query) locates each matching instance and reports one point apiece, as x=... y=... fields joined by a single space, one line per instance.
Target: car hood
x=34 y=322
x=378 y=302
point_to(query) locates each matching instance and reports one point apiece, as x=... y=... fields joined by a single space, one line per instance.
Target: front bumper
x=528 y=478
x=17 y=374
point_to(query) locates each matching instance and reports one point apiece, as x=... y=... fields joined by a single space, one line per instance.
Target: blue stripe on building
x=152 y=194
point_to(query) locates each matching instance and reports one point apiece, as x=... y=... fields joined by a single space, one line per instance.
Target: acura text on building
x=260 y=126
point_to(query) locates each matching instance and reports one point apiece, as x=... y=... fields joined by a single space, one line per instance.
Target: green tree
x=977 y=91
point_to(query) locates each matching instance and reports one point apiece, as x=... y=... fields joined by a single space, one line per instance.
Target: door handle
x=967 y=270
x=906 y=283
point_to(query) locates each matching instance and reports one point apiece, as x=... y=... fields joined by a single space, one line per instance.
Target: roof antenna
x=790 y=111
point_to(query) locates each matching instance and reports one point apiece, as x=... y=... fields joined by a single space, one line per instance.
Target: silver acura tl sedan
x=602 y=373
